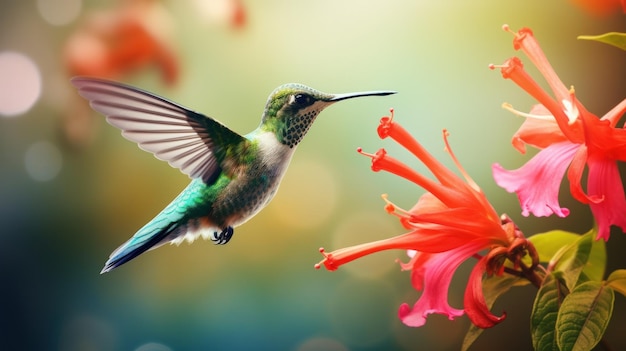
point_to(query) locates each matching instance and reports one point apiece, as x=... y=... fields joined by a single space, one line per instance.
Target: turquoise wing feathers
x=169 y=224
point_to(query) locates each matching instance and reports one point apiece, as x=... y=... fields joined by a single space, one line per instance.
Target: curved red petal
x=602 y=137
x=434 y=275
x=604 y=182
x=474 y=299
x=575 y=174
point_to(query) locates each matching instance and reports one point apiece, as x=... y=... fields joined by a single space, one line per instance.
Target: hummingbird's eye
x=300 y=100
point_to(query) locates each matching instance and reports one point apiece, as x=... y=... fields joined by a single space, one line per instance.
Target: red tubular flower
x=571 y=138
x=601 y=7
x=452 y=222
x=119 y=41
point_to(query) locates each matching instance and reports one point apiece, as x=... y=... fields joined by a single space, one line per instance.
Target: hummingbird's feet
x=223 y=237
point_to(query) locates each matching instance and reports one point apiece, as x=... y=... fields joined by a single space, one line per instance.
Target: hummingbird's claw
x=223 y=237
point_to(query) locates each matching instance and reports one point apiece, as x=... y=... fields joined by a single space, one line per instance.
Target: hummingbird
x=233 y=176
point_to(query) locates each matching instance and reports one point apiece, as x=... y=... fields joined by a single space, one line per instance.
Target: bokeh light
x=350 y=299
x=87 y=332
x=312 y=181
x=20 y=85
x=59 y=12
x=320 y=343
x=43 y=161
x=153 y=346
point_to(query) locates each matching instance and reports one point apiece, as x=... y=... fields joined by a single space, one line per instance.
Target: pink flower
x=570 y=138
x=450 y=223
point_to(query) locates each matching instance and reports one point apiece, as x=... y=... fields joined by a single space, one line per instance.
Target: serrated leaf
x=545 y=311
x=584 y=316
x=612 y=38
x=617 y=281
x=493 y=287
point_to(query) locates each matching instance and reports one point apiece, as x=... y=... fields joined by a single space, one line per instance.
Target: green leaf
x=596 y=263
x=493 y=287
x=584 y=316
x=617 y=281
x=570 y=260
x=549 y=243
x=545 y=311
x=612 y=38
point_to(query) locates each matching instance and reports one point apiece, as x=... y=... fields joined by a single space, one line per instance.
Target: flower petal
x=513 y=69
x=575 y=174
x=539 y=133
x=537 y=182
x=433 y=273
x=525 y=40
x=474 y=299
x=601 y=136
x=604 y=181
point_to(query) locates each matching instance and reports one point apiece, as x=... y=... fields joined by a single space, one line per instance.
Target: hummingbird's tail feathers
x=147 y=238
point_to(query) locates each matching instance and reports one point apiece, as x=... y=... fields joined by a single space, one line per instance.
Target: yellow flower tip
x=504 y=66
x=389 y=206
x=507 y=28
x=511 y=109
x=507 y=106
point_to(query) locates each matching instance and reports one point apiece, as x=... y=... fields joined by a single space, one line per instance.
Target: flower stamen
x=494 y=66
x=448 y=149
x=510 y=108
x=325 y=261
x=360 y=150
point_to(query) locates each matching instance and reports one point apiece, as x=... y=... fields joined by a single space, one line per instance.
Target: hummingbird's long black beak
x=339 y=97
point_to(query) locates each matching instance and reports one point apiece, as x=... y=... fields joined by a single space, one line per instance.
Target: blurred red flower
x=601 y=7
x=117 y=42
x=113 y=44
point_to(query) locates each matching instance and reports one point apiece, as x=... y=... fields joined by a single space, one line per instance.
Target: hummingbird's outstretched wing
x=187 y=140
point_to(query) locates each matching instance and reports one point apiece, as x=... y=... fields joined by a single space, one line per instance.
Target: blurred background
x=72 y=189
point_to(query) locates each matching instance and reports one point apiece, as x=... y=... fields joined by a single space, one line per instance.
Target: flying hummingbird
x=233 y=176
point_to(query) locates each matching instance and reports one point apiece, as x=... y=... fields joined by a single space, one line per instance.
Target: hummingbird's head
x=292 y=108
